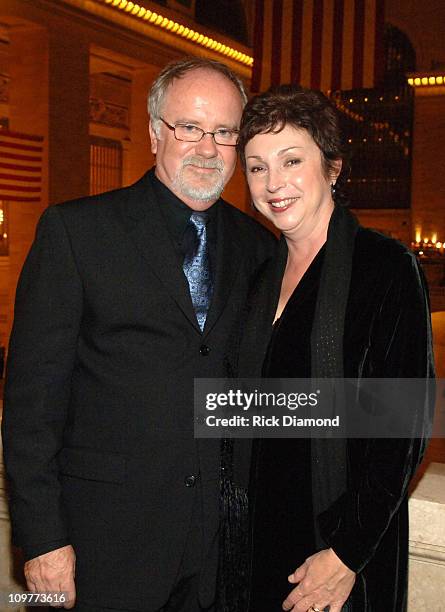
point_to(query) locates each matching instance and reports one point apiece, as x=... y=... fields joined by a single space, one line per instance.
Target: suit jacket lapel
x=148 y=230
x=229 y=257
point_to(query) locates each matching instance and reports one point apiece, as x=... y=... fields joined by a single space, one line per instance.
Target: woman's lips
x=281 y=205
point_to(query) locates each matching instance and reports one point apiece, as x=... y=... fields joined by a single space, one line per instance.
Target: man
x=124 y=299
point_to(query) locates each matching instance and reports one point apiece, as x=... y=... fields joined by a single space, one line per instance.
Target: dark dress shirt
x=177 y=215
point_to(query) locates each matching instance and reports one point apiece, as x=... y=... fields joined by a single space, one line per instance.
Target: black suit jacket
x=98 y=418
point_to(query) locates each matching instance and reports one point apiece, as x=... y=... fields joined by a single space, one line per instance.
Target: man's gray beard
x=201 y=194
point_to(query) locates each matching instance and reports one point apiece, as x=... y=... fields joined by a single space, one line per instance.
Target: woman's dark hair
x=301 y=108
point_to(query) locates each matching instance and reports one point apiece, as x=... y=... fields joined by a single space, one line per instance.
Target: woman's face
x=287 y=182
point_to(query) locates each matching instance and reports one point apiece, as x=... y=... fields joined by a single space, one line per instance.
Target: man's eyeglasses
x=188 y=132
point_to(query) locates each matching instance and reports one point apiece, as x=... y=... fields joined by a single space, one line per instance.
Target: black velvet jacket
x=387 y=334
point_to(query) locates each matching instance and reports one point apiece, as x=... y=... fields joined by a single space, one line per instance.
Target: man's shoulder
x=87 y=205
x=101 y=210
x=100 y=200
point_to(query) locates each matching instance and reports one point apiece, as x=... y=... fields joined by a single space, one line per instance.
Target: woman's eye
x=293 y=162
x=255 y=169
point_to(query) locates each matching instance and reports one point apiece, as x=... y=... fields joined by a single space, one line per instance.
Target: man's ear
x=153 y=138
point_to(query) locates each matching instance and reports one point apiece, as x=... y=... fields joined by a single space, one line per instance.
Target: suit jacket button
x=204 y=350
x=190 y=481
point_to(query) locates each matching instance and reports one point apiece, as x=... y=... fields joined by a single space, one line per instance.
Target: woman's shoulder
x=377 y=249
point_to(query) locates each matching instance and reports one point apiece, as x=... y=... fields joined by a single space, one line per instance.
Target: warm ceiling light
x=135 y=10
x=429 y=80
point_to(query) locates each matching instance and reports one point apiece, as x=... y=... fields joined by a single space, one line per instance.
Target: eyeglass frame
x=204 y=133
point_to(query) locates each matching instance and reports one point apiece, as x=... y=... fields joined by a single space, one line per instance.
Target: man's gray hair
x=176 y=70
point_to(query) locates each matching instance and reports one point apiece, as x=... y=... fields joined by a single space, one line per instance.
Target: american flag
x=323 y=44
x=21 y=158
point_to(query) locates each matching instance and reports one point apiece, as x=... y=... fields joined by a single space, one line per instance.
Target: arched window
x=400 y=56
x=225 y=16
x=378 y=127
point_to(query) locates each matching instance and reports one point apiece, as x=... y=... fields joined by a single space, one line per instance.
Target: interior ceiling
x=8 y=22
x=109 y=62
x=104 y=65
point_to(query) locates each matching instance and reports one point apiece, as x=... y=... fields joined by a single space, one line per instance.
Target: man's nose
x=207 y=146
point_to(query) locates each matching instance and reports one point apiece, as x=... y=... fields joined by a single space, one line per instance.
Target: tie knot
x=199 y=219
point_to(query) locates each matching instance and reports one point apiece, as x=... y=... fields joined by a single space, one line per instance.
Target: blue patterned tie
x=197 y=270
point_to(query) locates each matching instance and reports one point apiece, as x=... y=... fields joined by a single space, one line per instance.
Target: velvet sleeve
x=40 y=364
x=401 y=347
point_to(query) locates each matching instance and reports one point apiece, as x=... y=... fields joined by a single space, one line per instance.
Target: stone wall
x=427 y=542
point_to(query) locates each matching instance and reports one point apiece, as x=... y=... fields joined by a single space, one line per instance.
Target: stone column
x=137 y=155
x=428 y=181
x=69 y=151
x=28 y=113
x=236 y=191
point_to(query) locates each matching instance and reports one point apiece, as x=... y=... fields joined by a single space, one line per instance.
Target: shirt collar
x=176 y=212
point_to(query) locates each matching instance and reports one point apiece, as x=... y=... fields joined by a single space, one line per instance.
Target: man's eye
x=190 y=129
x=226 y=134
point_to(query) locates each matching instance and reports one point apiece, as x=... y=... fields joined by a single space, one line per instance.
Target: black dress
x=282 y=467
x=387 y=333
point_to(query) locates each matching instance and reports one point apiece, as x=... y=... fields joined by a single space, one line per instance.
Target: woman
x=338 y=301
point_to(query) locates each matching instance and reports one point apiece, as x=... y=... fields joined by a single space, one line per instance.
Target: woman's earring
x=333 y=189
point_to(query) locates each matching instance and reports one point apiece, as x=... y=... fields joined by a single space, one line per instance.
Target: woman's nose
x=275 y=180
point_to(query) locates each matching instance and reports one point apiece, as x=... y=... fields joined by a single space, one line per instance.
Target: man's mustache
x=201 y=162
